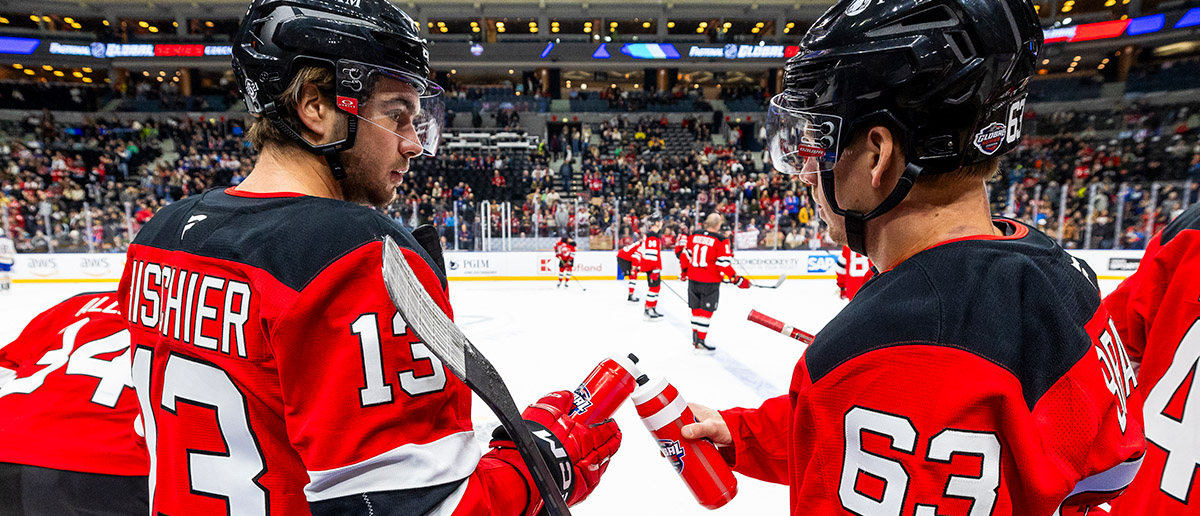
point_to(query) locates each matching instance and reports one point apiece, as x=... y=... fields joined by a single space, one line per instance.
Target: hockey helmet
x=362 y=41
x=949 y=75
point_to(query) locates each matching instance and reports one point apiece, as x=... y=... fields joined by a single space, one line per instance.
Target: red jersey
x=564 y=251
x=1157 y=313
x=950 y=392
x=276 y=379
x=853 y=271
x=67 y=400
x=630 y=252
x=707 y=257
x=648 y=250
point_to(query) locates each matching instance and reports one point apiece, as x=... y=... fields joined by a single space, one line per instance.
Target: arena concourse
x=585 y=122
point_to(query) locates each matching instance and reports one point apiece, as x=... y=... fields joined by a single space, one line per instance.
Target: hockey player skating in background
x=1156 y=312
x=705 y=261
x=651 y=263
x=564 y=250
x=853 y=270
x=8 y=257
x=628 y=262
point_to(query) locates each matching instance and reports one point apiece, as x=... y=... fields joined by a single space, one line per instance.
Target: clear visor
x=801 y=142
x=410 y=107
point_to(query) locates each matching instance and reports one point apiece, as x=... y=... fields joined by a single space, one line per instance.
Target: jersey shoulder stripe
x=1021 y=304
x=291 y=238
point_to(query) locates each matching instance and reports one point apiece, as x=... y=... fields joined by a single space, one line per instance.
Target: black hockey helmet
x=360 y=40
x=949 y=75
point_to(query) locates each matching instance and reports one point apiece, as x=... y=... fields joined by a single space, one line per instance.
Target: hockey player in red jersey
x=564 y=250
x=69 y=415
x=978 y=373
x=706 y=260
x=1156 y=311
x=853 y=270
x=274 y=373
x=651 y=263
x=628 y=262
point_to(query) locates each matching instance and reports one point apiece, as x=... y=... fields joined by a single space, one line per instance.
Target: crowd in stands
x=1113 y=178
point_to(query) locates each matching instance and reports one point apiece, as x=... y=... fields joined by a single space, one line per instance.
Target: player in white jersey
x=8 y=257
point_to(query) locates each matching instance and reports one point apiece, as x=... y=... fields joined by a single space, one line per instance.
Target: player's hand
x=709 y=425
x=588 y=449
x=683 y=275
x=740 y=281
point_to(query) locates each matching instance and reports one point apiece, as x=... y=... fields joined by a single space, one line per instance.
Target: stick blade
x=422 y=315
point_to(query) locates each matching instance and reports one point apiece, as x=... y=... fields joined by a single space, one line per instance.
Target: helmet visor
x=800 y=141
x=408 y=106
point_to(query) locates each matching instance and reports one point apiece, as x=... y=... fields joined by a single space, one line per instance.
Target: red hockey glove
x=587 y=449
x=740 y=282
x=683 y=275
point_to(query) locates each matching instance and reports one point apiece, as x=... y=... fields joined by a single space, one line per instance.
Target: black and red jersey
x=66 y=396
x=1157 y=314
x=630 y=252
x=979 y=376
x=277 y=378
x=707 y=256
x=649 y=251
x=564 y=251
x=853 y=271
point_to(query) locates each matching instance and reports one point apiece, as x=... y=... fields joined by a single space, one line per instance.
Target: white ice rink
x=541 y=339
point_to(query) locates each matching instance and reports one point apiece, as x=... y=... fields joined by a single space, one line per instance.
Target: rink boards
x=525 y=266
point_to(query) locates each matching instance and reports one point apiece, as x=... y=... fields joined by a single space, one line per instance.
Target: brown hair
x=264 y=132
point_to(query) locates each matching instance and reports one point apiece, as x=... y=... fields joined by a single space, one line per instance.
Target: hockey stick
x=777 y=325
x=778 y=282
x=447 y=341
x=681 y=298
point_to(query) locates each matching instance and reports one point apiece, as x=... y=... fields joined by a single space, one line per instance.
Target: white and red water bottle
x=697 y=461
x=609 y=385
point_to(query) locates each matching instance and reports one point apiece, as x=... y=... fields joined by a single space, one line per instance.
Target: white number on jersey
x=1177 y=436
x=113 y=374
x=377 y=390
x=942 y=447
x=699 y=255
x=229 y=476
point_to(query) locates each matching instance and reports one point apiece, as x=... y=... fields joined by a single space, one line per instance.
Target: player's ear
x=316 y=113
x=881 y=149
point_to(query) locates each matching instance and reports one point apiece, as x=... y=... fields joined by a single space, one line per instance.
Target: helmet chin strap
x=330 y=151
x=856 y=221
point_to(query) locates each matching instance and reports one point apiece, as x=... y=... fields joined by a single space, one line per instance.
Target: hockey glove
x=683 y=275
x=740 y=282
x=577 y=454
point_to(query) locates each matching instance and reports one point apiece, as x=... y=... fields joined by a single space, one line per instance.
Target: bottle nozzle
x=643 y=380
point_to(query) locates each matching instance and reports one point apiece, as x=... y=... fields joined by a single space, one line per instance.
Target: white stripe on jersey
x=410 y=466
x=6 y=375
x=722 y=261
x=1112 y=480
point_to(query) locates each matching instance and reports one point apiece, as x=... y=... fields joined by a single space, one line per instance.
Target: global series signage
x=100 y=50
x=732 y=51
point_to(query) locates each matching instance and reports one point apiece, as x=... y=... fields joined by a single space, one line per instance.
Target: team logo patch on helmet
x=673 y=451
x=856 y=8
x=583 y=401
x=252 y=103
x=990 y=138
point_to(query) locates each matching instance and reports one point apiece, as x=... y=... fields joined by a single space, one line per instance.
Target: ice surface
x=543 y=338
